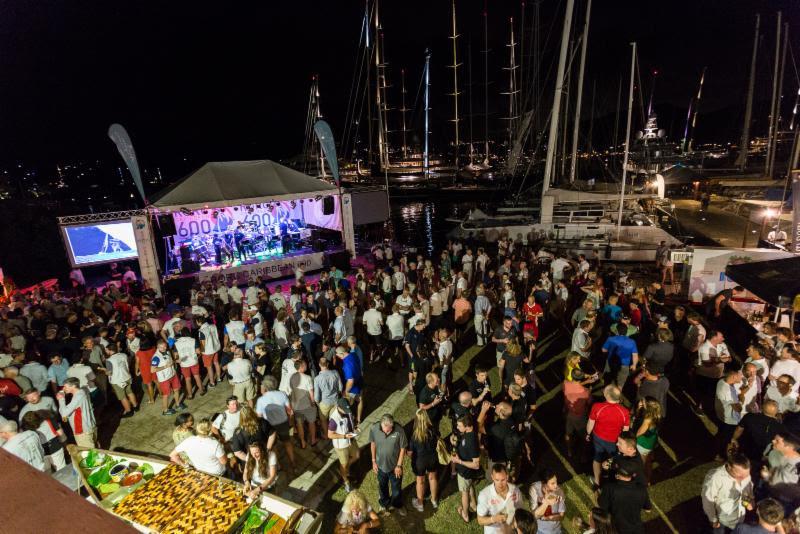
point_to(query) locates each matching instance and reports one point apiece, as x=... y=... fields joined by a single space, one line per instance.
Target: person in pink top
x=462 y=312
x=606 y=421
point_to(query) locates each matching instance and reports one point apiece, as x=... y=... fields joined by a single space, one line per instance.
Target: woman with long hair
x=424 y=461
x=356 y=515
x=251 y=428
x=260 y=469
x=648 y=415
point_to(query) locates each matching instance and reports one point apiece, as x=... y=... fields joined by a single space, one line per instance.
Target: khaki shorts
x=244 y=391
x=347 y=455
x=464 y=484
x=326 y=409
x=87 y=439
x=122 y=391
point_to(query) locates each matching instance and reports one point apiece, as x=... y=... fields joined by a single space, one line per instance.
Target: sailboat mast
x=696 y=109
x=770 y=148
x=574 y=162
x=794 y=110
x=318 y=116
x=486 y=82
x=469 y=96
x=744 y=145
x=403 y=110
x=454 y=66
x=779 y=100
x=427 y=108
x=562 y=62
x=512 y=86
x=378 y=82
x=627 y=140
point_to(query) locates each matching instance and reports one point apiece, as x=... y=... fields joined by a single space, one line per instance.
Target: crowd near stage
x=230 y=221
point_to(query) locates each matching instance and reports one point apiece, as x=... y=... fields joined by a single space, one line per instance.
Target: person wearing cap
x=342 y=433
x=623 y=327
x=624 y=499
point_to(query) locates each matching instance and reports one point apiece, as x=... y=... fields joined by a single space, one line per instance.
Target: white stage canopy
x=228 y=183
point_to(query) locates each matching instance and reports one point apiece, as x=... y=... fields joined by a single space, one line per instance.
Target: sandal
x=461 y=513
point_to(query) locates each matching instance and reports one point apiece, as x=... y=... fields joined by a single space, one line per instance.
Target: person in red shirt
x=606 y=421
x=635 y=314
x=531 y=312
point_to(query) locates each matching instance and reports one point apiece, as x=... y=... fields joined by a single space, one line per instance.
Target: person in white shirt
x=24 y=445
x=373 y=320
x=782 y=392
x=163 y=366
x=256 y=321
x=128 y=276
x=386 y=284
x=235 y=294
x=480 y=263
x=187 y=350
x=168 y=330
x=277 y=299
x=251 y=294
x=787 y=364
x=581 y=340
x=396 y=326
x=279 y=330
x=398 y=280
x=234 y=331
x=119 y=376
x=461 y=284
x=208 y=337
x=240 y=372
x=467 y=265
x=204 y=452
x=725 y=490
x=730 y=400
x=36 y=373
x=226 y=423
x=444 y=350
x=497 y=502
x=557 y=267
x=36 y=402
x=85 y=375
x=303 y=403
x=222 y=293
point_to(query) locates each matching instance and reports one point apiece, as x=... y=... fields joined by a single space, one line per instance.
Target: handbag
x=442 y=453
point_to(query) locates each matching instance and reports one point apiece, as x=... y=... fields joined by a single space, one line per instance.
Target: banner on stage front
x=278 y=268
x=795 y=237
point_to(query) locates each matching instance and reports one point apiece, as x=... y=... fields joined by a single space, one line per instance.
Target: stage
x=279 y=266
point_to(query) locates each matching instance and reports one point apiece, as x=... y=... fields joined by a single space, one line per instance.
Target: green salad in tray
x=258 y=521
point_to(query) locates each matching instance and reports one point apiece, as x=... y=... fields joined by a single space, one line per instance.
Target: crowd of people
x=300 y=357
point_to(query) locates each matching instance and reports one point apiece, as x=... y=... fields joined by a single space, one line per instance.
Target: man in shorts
x=208 y=336
x=186 y=349
x=274 y=406
x=353 y=379
x=240 y=372
x=327 y=390
x=163 y=366
x=607 y=420
x=119 y=376
x=467 y=461
x=303 y=405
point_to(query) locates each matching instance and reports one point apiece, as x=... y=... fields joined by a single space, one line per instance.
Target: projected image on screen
x=100 y=243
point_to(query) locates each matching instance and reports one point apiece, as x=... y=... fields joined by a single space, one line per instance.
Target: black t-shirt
x=242 y=439
x=500 y=333
x=496 y=439
x=476 y=388
x=426 y=396
x=529 y=394
x=519 y=410
x=512 y=363
x=422 y=366
x=639 y=478
x=624 y=501
x=658 y=355
x=759 y=429
x=425 y=450
x=467 y=449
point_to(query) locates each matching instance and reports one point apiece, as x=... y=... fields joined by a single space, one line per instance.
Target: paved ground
x=681 y=461
x=725 y=227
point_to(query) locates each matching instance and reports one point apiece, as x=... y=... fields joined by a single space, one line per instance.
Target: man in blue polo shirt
x=622 y=357
x=353 y=380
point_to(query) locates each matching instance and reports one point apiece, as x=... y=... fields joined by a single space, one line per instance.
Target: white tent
x=228 y=183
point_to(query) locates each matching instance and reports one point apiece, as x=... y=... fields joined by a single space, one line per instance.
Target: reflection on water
x=423 y=223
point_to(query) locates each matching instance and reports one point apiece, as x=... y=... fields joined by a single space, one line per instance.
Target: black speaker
x=165 y=225
x=186 y=253
x=318 y=245
x=340 y=259
x=190 y=266
x=181 y=287
x=328 y=206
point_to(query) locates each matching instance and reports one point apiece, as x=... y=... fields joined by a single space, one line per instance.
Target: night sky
x=230 y=80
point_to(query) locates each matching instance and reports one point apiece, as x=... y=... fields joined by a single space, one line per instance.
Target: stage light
x=293 y=204
x=205 y=212
x=250 y=209
x=215 y=214
x=318 y=198
x=186 y=211
x=301 y=201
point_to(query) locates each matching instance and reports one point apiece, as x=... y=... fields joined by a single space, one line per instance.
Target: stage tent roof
x=768 y=280
x=219 y=184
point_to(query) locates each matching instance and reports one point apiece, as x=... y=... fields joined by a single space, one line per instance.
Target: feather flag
x=325 y=136
x=120 y=136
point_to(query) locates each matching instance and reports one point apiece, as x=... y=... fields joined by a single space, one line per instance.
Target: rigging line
x=794 y=64
x=528 y=94
x=355 y=84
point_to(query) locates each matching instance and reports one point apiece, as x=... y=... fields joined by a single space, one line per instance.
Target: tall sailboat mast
x=512 y=87
x=696 y=109
x=574 y=161
x=555 y=114
x=486 y=82
x=403 y=111
x=379 y=81
x=627 y=140
x=454 y=66
x=778 y=101
x=425 y=152
x=744 y=145
x=772 y=113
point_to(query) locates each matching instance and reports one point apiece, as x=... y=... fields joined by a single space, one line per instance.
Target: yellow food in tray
x=179 y=500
